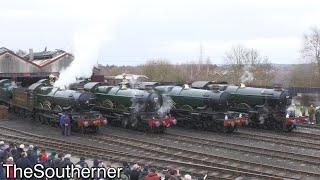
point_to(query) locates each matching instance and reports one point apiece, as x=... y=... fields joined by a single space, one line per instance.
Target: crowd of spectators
x=27 y=156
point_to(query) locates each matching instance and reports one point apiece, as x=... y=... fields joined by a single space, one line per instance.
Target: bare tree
x=236 y=58
x=311 y=47
x=248 y=66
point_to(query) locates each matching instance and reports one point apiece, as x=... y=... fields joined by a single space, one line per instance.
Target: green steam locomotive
x=266 y=108
x=131 y=108
x=45 y=103
x=202 y=109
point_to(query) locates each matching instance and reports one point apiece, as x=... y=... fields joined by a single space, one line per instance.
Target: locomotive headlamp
x=240 y=115
x=287 y=116
x=226 y=117
x=157 y=123
x=85 y=123
x=104 y=121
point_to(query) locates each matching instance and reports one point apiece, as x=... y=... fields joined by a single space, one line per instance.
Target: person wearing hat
x=10 y=161
x=23 y=162
x=32 y=154
x=67 y=161
x=187 y=177
x=52 y=157
x=82 y=163
x=20 y=150
x=57 y=163
x=144 y=172
x=135 y=172
x=2 y=145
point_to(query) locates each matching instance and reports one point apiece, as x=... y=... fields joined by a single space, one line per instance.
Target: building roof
x=41 y=59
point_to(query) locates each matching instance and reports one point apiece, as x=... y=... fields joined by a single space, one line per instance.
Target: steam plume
x=95 y=30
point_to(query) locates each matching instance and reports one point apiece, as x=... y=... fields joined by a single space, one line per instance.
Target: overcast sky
x=140 y=30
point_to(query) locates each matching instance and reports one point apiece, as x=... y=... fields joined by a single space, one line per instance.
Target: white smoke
x=96 y=28
x=247 y=76
x=167 y=105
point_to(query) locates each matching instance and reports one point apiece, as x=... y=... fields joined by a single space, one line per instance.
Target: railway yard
x=245 y=154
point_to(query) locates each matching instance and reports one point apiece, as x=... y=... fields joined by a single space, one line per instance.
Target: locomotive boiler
x=266 y=108
x=202 y=109
x=131 y=108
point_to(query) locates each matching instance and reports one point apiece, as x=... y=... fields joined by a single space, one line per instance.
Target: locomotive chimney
x=31 y=54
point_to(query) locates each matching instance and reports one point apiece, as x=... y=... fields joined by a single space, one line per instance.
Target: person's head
x=60 y=155
x=67 y=156
x=31 y=147
x=135 y=167
x=187 y=177
x=82 y=158
x=24 y=154
x=125 y=164
x=21 y=146
x=12 y=145
x=10 y=159
x=1 y=143
x=53 y=153
x=153 y=170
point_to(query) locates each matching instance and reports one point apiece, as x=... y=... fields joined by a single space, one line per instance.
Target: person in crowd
x=17 y=155
x=311 y=112
x=9 y=161
x=303 y=111
x=66 y=161
x=172 y=174
x=122 y=176
x=62 y=122
x=144 y=172
x=32 y=154
x=187 y=177
x=135 y=172
x=152 y=175
x=67 y=125
x=318 y=115
x=82 y=163
x=2 y=145
x=126 y=169
x=58 y=162
x=23 y=161
x=51 y=158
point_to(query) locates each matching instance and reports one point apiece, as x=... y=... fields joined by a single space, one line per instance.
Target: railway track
x=297 y=157
x=156 y=160
x=209 y=158
x=286 y=140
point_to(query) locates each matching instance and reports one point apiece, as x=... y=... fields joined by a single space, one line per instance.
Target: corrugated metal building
x=34 y=64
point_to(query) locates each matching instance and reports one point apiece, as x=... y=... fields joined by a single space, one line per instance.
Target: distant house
x=35 y=64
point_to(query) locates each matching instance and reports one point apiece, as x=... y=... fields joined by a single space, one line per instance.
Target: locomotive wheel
x=125 y=122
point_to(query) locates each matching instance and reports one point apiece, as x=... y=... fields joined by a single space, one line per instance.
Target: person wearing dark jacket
x=24 y=161
x=144 y=172
x=66 y=161
x=82 y=163
x=152 y=175
x=57 y=163
x=135 y=172
x=126 y=169
x=18 y=153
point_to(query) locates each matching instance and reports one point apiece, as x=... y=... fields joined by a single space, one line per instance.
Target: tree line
x=242 y=65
